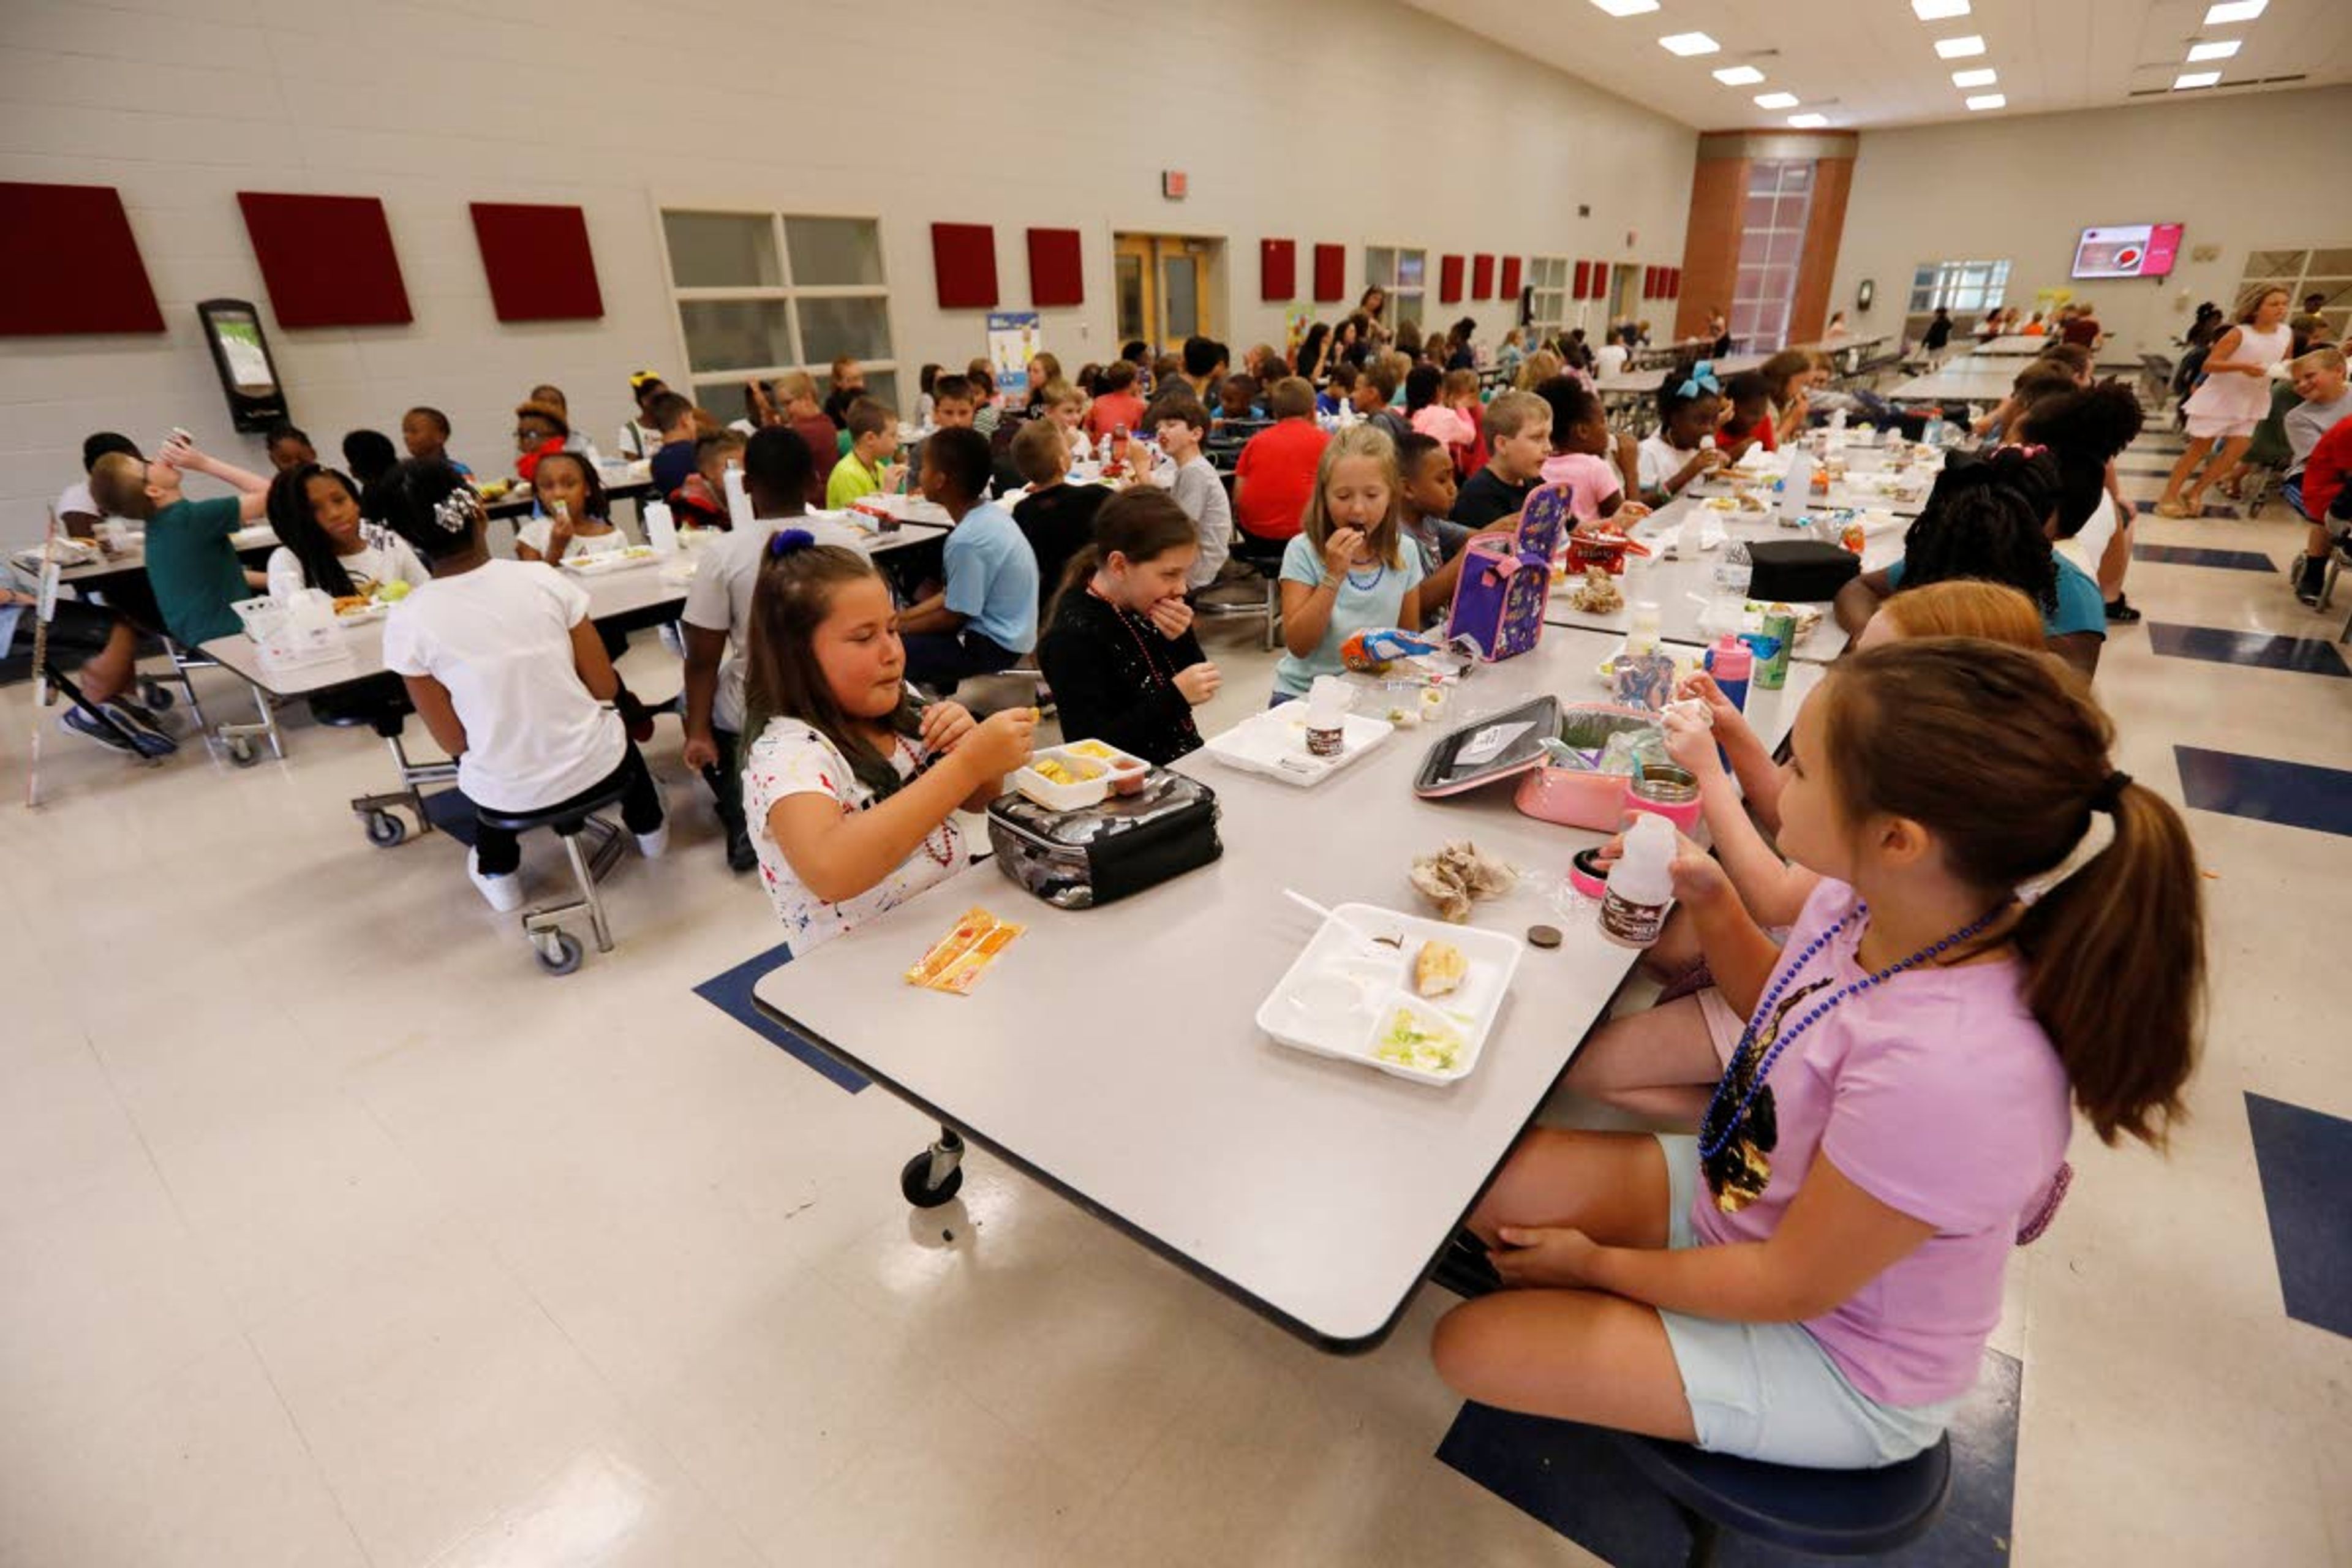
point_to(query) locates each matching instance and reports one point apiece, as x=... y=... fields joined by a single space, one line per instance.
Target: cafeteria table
x=1111 y=1053
x=1964 y=379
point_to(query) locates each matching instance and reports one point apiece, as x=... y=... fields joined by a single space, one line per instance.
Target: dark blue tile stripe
x=2293 y=794
x=730 y=993
x=2258 y=650
x=2194 y=555
x=2148 y=509
x=1577 y=1480
x=2302 y=1155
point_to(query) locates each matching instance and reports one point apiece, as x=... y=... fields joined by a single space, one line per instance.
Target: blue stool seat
x=1828 y=1514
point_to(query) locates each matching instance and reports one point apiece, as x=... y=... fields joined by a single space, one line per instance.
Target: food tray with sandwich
x=1410 y=997
x=598 y=565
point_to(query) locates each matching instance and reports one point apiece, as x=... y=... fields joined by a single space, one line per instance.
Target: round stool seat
x=567 y=818
x=1830 y=1513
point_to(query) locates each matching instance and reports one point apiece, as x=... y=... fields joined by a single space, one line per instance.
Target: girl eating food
x=322 y=544
x=575 y=517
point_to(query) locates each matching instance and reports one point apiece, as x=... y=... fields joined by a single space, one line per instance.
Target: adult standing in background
x=1312 y=349
x=1373 y=309
x=1938 y=336
x=2208 y=326
x=1718 y=333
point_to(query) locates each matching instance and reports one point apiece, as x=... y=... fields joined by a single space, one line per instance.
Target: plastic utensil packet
x=956 y=962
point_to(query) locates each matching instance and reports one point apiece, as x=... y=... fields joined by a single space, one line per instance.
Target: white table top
x=1966 y=380
x=253 y=536
x=1317 y=1190
x=1684 y=589
x=1640 y=383
x=2014 y=347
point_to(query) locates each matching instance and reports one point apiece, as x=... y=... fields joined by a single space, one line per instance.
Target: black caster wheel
x=559 y=952
x=156 y=697
x=243 y=753
x=384 y=830
x=914 y=1178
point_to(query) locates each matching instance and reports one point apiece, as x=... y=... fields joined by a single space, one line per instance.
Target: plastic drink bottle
x=738 y=499
x=1731 y=663
x=1640 y=885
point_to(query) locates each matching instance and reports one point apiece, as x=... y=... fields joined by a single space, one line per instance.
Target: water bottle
x=1796 y=488
x=1934 y=433
x=661 y=529
x=1731 y=663
x=1734 y=569
x=738 y=499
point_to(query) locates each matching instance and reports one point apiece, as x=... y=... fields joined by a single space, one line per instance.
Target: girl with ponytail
x=1810 y=1279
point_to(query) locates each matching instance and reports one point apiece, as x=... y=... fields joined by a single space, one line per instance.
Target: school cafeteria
x=1572 y=785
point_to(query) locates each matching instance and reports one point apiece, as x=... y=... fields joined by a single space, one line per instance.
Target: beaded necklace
x=1380 y=570
x=944 y=855
x=1716 y=1131
x=1152 y=675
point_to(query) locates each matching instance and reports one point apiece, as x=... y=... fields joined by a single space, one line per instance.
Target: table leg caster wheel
x=242 y=752
x=936 y=1175
x=155 y=696
x=384 y=830
x=559 y=952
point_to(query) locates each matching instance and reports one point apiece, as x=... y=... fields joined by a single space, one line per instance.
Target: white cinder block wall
x=2025 y=188
x=1354 y=122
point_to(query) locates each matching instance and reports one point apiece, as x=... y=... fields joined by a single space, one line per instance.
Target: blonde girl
x=2233 y=398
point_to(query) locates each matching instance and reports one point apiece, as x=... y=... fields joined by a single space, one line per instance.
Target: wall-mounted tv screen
x=2127 y=250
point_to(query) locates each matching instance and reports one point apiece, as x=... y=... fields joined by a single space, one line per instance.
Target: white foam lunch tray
x=612 y=561
x=1336 y=997
x=1274 y=743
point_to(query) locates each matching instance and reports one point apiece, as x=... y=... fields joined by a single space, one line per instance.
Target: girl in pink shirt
x=1579 y=438
x=1811 y=1278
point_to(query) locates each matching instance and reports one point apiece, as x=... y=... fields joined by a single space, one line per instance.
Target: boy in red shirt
x=1115 y=406
x=2327 y=502
x=1275 y=475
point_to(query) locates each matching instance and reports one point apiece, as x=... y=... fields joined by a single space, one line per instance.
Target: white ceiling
x=1873 y=62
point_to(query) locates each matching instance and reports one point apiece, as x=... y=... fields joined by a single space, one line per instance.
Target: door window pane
x=1178 y=301
x=834 y=252
x=736 y=334
x=721 y=251
x=1131 y=299
x=1410 y=265
x=1380 y=266
x=858 y=327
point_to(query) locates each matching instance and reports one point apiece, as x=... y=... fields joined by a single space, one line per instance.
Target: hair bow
x=455 y=511
x=790 y=541
x=1701 y=381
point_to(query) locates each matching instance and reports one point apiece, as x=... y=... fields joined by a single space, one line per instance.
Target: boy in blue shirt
x=986 y=617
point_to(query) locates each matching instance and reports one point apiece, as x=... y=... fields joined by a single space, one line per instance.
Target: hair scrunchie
x=791 y=542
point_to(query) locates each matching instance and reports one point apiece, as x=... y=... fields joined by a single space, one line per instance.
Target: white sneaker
x=654 y=845
x=502 y=893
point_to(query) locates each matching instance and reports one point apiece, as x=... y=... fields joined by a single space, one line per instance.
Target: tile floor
x=332 y=1233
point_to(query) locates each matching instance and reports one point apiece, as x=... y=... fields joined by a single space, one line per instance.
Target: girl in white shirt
x=507 y=672
x=1679 y=452
x=574 y=515
x=850 y=789
x=322 y=543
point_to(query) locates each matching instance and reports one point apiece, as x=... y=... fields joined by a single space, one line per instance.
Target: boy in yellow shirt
x=866 y=470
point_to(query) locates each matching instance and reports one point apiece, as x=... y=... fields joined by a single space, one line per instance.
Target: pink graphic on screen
x=2130 y=250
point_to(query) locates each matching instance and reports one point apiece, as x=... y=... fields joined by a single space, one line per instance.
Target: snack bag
x=956 y=962
x=1375 y=648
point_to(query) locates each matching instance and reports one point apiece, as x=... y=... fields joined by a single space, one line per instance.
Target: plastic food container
x=1664 y=790
x=1090 y=779
x=1128 y=770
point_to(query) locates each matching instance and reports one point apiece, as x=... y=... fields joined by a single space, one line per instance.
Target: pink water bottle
x=1731 y=664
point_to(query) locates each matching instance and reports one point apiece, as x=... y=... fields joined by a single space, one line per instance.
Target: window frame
x=1964 y=285
x=787 y=293
x=1398 y=293
x=1745 y=323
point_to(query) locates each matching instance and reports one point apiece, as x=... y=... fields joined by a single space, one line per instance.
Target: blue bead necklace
x=1711 y=1142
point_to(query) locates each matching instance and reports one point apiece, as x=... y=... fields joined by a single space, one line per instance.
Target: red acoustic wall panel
x=1449 y=280
x=1583 y=289
x=1277 y=269
x=1056 y=277
x=1600 y=281
x=327 y=261
x=1482 y=277
x=1674 y=282
x=69 y=263
x=963 y=255
x=538 y=262
x=1330 y=272
x=1510 y=278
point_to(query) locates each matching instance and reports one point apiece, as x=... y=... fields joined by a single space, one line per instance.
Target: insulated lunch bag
x=1074 y=859
x=1499 y=602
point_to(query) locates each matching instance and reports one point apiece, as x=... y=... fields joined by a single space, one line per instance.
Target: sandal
x=2174 y=509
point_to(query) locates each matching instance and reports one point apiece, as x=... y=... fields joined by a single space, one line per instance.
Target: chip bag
x=1375 y=650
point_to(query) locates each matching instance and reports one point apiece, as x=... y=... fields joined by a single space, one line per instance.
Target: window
x=1963 y=288
x=2301 y=272
x=1403 y=274
x=1779 y=203
x=761 y=293
x=1548 y=299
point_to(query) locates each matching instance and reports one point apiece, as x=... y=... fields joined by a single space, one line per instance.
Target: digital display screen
x=2127 y=250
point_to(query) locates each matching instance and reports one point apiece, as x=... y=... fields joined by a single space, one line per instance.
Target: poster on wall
x=1295 y=323
x=1012 y=342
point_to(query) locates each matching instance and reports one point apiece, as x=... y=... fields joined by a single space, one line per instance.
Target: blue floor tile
x=452 y=814
x=2302 y=1155
x=730 y=993
x=1577 y=1480
x=2257 y=650
x=2212 y=508
x=2192 y=555
x=2293 y=794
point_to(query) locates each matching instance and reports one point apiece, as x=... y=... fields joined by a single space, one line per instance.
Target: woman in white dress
x=2233 y=398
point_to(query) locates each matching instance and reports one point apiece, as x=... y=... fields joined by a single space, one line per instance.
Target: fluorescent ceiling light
x=1988 y=101
x=1809 y=122
x=1938 y=10
x=1775 y=100
x=1689 y=43
x=1626 y=7
x=2195 y=78
x=1960 y=49
x=2230 y=11
x=2220 y=51
x=1975 y=77
x=1746 y=76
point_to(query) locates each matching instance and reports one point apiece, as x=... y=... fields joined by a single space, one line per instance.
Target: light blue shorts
x=1768 y=1391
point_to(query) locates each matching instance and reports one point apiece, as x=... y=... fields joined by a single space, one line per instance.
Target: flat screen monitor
x=2127 y=250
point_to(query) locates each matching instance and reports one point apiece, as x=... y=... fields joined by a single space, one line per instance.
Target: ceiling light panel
x=1988 y=101
x=1938 y=10
x=1984 y=78
x=1627 y=7
x=1688 y=44
x=2195 y=78
x=2215 y=51
x=1748 y=76
x=1775 y=100
x=2230 y=11
x=1960 y=49
x=1809 y=122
